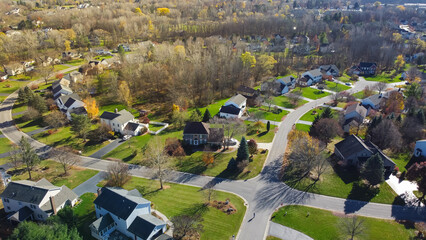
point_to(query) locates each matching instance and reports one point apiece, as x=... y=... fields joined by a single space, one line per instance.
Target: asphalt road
x=263 y=194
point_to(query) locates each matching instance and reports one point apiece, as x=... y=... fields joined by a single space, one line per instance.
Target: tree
x=185 y=225
x=80 y=124
x=399 y=62
x=124 y=93
x=394 y=103
x=326 y=129
x=327 y=113
x=25 y=95
x=117 y=174
x=64 y=216
x=27 y=155
x=231 y=128
x=31 y=114
x=45 y=72
x=208 y=158
x=56 y=119
x=207 y=116
x=67 y=45
x=417 y=173
x=252 y=147
x=121 y=51
x=163 y=11
x=248 y=60
x=38 y=103
x=243 y=150
x=91 y=107
x=268 y=126
x=352 y=227
x=15 y=158
x=257 y=116
x=386 y=135
x=258 y=125
x=295 y=97
x=157 y=158
x=373 y=170
x=414 y=90
x=269 y=100
x=380 y=86
x=65 y=157
x=32 y=230
x=209 y=194
x=174 y=148
x=103 y=132
x=264 y=66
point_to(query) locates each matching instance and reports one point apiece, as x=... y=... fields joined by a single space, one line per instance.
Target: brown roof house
x=199 y=133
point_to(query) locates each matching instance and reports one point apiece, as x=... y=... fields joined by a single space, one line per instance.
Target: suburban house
x=354 y=115
x=304 y=82
x=271 y=87
x=314 y=75
x=61 y=87
x=3 y=76
x=122 y=122
x=69 y=104
x=71 y=55
x=420 y=148
x=248 y=92
x=25 y=199
x=330 y=70
x=374 y=101
x=234 y=107
x=123 y=214
x=287 y=83
x=354 y=151
x=74 y=77
x=363 y=69
x=200 y=133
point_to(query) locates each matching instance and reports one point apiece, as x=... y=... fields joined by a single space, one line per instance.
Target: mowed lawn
x=285 y=102
x=312 y=93
x=259 y=135
x=361 y=94
x=325 y=225
x=54 y=173
x=336 y=87
x=268 y=115
x=118 y=106
x=213 y=108
x=85 y=213
x=9 y=86
x=178 y=199
x=384 y=77
x=310 y=116
x=5 y=145
x=303 y=127
x=29 y=125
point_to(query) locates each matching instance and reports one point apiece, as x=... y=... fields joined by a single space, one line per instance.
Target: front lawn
x=76 y=62
x=361 y=94
x=310 y=116
x=384 y=77
x=336 y=87
x=19 y=108
x=65 y=137
x=9 y=86
x=401 y=160
x=324 y=225
x=5 y=145
x=29 y=125
x=59 y=67
x=154 y=127
x=52 y=171
x=259 y=136
x=312 y=93
x=303 y=127
x=284 y=101
x=268 y=115
x=178 y=199
x=345 y=78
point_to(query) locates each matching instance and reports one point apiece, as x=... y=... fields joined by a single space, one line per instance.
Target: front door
x=195 y=142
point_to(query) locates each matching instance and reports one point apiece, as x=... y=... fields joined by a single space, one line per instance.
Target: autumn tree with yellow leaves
x=91 y=107
x=399 y=62
x=124 y=93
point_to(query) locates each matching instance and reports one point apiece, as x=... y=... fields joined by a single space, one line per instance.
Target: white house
x=314 y=75
x=374 y=101
x=120 y=212
x=119 y=121
x=234 y=107
x=74 y=77
x=66 y=102
x=24 y=200
x=287 y=83
x=420 y=148
x=61 y=87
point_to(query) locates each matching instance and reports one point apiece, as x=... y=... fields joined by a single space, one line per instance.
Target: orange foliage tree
x=208 y=158
x=91 y=107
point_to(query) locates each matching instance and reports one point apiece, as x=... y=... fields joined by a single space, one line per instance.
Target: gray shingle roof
x=351 y=145
x=102 y=222
x=122 y=116
x=64 y=99
x=143 y=225
x=64 y=196
x=131 y=126
x=27 y=191
x=356 y=108
x=315 y=72
x=119 y=202
x=196 y=128
x=287 y=79
x=237 y=99
x=21 y=215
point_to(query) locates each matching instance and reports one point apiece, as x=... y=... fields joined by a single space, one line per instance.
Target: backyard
x=324 y=225
x=312 y=93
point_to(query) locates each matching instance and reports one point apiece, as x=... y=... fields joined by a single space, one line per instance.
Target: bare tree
x=231 y=127
x=380 y=86
x=45 y=72
x=185 y=225
x=386 y=135
x=117 y=174
x=209 y=194
x=321 y=165
x=56 y=119
x=157 y=158
x=337 y=97
x=295 y=97
x=14 y=158
x=269 y=100
x=65 y=157
x=352 y=227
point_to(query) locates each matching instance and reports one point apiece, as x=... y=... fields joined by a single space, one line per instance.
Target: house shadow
x=347 y=174
x=359 y=196
x=403 y=212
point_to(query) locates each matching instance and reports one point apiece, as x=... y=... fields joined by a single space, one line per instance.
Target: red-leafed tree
x=417 y=173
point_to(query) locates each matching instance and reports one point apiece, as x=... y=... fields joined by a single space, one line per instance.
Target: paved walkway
x=245 y=118
x=401 y=187
x=304 y=122
x=264 y=146
x=286 y=233
x=324 y=90
x=279 y=107
x=307 y=99
x=89 y=185
x=108 y=148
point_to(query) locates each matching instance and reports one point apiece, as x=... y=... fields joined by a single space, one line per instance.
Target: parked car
x=347 y=84
x=126 y=137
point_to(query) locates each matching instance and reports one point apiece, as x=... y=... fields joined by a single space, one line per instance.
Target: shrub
x=34 y=86
x=30 y=114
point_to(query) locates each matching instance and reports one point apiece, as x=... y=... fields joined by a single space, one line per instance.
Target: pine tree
x=373 y=170
x=421 y=116
x=268 y=126
x=38 y=103
x=399 y=118
x=327 y=113
x=207 y=116
x=243 y=151
x=198 y=112
x=391 y=116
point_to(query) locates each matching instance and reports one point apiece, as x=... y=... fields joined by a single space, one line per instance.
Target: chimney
x=52 y=203
x=99 y=191
x=116 y=110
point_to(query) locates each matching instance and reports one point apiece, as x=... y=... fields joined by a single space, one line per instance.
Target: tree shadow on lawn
x=197 y=208
x=359 y=196
x=402 y=212
x=148 y=190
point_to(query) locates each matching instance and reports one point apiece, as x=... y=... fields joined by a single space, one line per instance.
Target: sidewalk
x=279 y=107
x=305 y=122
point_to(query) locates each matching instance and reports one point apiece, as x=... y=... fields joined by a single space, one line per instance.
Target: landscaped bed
x=312 y=93
x=284 y=101
x=324 y=225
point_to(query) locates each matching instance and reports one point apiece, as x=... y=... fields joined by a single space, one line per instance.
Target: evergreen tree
x=268 y=126
x=32 y=230
x=327 y=113
x=421 y=116
x=38 y=103
x=80 y=124
x=391 y=116
x=207 y=116
x=294 y=4
x=198 y=112
x=21 y=96
x=29 y=95
x=27 y=154
x=243 y=151
x=399 y=118
x=373 y=170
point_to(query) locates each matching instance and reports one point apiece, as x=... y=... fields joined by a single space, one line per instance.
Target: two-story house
x=125 y=214
x=375 y=101
x=364 y=69
x=61 y=87
x=24 y=200
x=122 y=122
x=330 y=70
x=234 y=107
x=287 y=83
x=354 y=115
x=314 y=75
x=354 y=151
x=199 y=133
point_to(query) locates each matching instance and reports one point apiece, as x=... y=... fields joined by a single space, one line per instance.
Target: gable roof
x=62 y=197
x=237 y=99
x=287 y=79
x=230 y=109
x=351 y=145
x=124 y=116
x=315 y=72
x=143 y=225
x=109 y=115
x=361 y=110
x=246 y=89
x=21 y=215
x=131 y=126
x=196 y=128
x=376 y=98
x=65 y=98
x=61 y=87
x=367 y=64
x=332 y=68
x=62 y=81
x=102 y=222
x=27 y=191
x=119 y=202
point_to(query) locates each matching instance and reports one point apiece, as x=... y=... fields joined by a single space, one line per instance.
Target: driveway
x=108 y=148
x=286 y=233
x=89 y=185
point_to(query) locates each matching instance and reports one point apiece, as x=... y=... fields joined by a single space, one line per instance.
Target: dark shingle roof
x=103 y=222
x=287 y=79
x=21 y=215
x=361 y=110
x=131 y=126
x=196 y=128
x=246 y=89
x=109 y=115
x=376 y=98
x=143 y=225
x=351 y=145
x=230 y=109
x=367 y=64
x=119 y=202
x=386 y=160
x=27 y=191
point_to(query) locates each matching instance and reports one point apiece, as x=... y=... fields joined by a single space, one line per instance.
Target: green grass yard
x=76 y=62
x=303 y=127
x=312 y=93
x=154 y=127
x=85 y=213
x=213 y=108
x=284 y=101
x=5 y=145
x=401 y=160
x=309 y=116
x=268 y=115
x=384 y=77
x=9 y=86
x=324 y=225
x=361 y=94
x=119 y=107
x=336 y=88
x=29 y=125
x=259 y=136
x=59 y=67
x=19 y=108
x=345 y=78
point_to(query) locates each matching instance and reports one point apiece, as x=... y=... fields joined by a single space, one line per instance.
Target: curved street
x=263 y=194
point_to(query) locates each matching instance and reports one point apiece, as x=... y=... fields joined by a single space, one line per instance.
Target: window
x=6 y=200
x=113 y=124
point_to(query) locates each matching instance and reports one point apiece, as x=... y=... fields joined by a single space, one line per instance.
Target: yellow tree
x=138 y=11
x=91 y=107
x=208 y=158
x=163 y=11
x=248 y=60
x=67 y=45
x=124 y=92
x=395 y=103
x=401 y=7
x=399 y=62
x=180 y=51
x=397 y=37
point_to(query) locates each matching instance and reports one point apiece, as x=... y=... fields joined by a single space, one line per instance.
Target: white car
x=126 y=137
